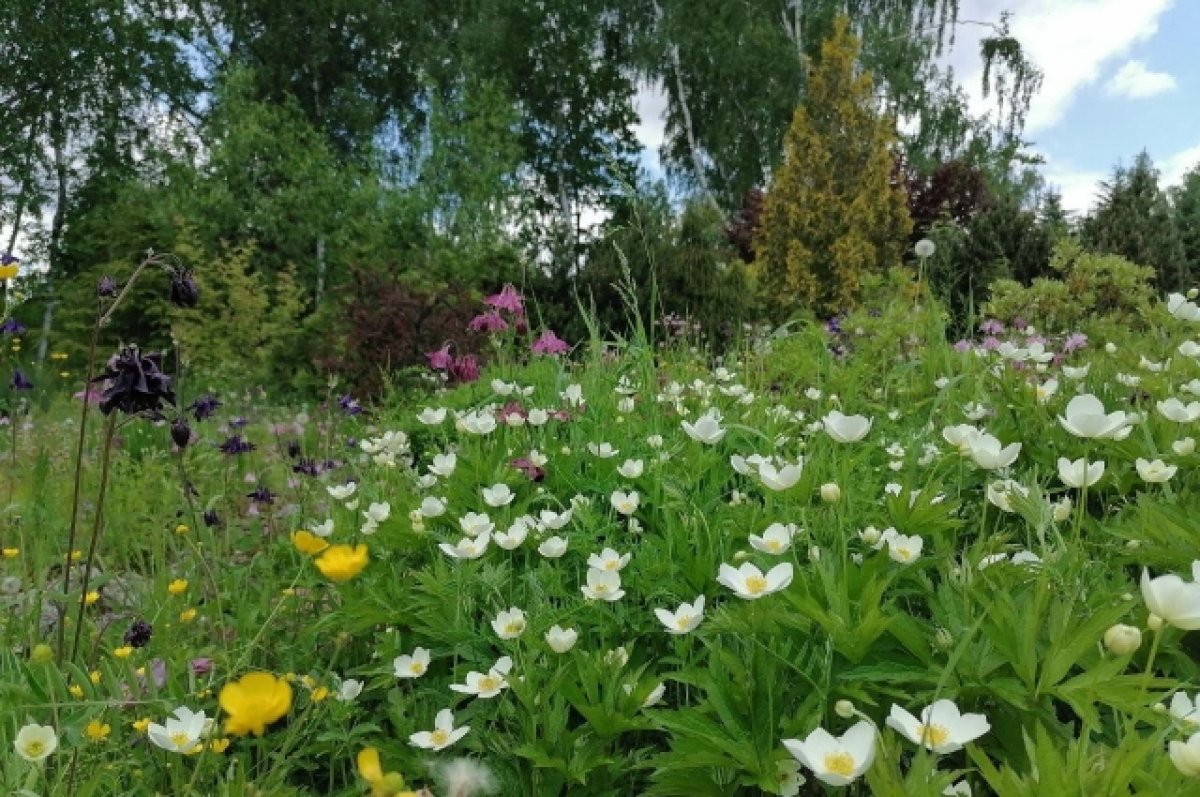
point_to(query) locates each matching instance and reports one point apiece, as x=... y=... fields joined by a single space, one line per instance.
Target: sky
x=1120 y=76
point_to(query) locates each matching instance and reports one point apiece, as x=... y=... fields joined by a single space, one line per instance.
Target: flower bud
x=106 y=288
x=181 y=433
x=1154 y=622
x=184 y=291
x=1122 y=640
x=830 y=492
x=844 y=709
x=41 y=654
x=870 y=535
x=1193 y=293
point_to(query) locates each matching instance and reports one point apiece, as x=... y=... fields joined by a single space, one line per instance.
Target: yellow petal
x=369 y=766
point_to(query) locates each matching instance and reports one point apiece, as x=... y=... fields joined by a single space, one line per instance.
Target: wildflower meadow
x=615 y=567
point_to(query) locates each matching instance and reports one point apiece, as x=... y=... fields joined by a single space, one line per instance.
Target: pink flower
x=488 y=322
x=465 y=368
x=512 y=408
x=440 y=360
x=507 y=299
x=549 y=343
x=533 y=472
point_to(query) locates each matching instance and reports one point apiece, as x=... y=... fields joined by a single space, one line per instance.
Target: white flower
x=655 y=441
x=905 y=549
x=443 y=734
x=1085 y=417
x=489 y=685
x=624 y=502
x=1175 y=410
x=1186 y=755
x=776 y=539
x=378 y=512
x=602 y=450
x=684 y=619
x=498 y=495
x=480 y=423
x=779 y=479
x=475 y=523
x=1154 y=471
x=349 y=690
x=960 y=789
x=631 y=468
x=1076 y=373
x=988 y=454
x=35 y=743
x=749 y=583
x=975 y=411
x=572 y=396
x=553 y=547
x=846 y=428
x=625 y=405
x=509 y=624
x=1181 y=308
x=183 y=733
x=467 y=547
x=941 y=728
x=603 y=585
x=1080 y=472
x=707 y=429
x=555 y=520
x=1185 y=447
x=502 y=388
x=653 y=698
x=511 y=540
x=537 y=417
x=1189 y=348
x=443 y=464
x=1123 y=640
x=961 y=437
x=340 y=492
x=322 y=529
x=412 y=665
x=1129 y=380
x=1185 y=710
x=999 y=493
x=432 y=507
x=432 y=417
x=608 y=559
x=561 y=639
x=1046 y=390
x=836 y=761
x=831 y=492
x=1172 y=600
x=925 y=248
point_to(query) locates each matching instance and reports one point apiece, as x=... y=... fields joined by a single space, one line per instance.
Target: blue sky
x=1120 y=76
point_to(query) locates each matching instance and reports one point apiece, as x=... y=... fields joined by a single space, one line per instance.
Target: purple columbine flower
x=20 y=381
x=507 y=299
x=465 y=368
x=262 y=496
x=488 y=322
x=7 y=259
x=138 y=635
x=349 y=404
x=440 y=360
x=204 y=407
x=550 y=344
x=236 y=444
x=12 y=326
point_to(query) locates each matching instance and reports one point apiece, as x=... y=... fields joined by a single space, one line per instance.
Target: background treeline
x=348 y=177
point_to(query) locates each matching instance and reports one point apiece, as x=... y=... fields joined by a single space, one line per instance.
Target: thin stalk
x=97 y=526
x=78 y=488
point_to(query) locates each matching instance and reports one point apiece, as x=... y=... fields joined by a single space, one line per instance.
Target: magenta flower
x=512 y=408
x=440 y=360
x=202 y=665
x=488 y=322
x=1074 y=342
x=549 y=343
x=991 y=327
x=507 y=299
x=533 y=472
x=465 y=368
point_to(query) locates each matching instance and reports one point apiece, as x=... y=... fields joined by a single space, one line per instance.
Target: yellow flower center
x=600 y=589
x=416 y=668
x=439 y=737
x=181 y=739
x=514 y=627
x=683 y=621
x=773 y=546
x=904 y=554
x=840 y=763
x=35 y=748
x=756 y=585
x=489 y=683
x=611 y=564
x=935 y=735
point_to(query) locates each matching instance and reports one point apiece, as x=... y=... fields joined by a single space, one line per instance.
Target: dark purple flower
x=7 y=259
x=533 y=472
x=181 y=433
x=135 y=383
x=465 y=368
x=488 y=322
x=307 y=467
x=12 y=326
x=138 y=635
x=184 y=291
x=211 y=518
x=204 y=407
x=262 y=496
x=349 y=405
x=106 y=288
x=549 y=343
x=440 y=360
x=20 y=381
x=507 y=299
x=202 y=665
x=236 y=444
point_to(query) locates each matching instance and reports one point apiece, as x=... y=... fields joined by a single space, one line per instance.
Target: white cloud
x=1134 y=81
x=1069 y=40
x=650 y=104
x=1175 y=166
x=1079 y=188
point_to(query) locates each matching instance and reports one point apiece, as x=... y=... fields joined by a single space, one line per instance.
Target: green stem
x=97 y=526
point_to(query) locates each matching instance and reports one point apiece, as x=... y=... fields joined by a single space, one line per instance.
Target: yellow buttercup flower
x=10 y=553
x=141 y=725
x=178 y=586
x=181 y=529
x=9 y=272
x=219 y=745
x=91 y=597
x=308 y=543
x=76 y=690
x=390 y=784
x=187 y=615
x=94 y=676
x=319 y=694
x=123 y=652
x=97 y=731
x=253 y=702
x=341 y=563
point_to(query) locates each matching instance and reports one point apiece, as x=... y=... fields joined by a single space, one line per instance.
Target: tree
x=1185 y=206
x=836 y=210
x=1134 y=220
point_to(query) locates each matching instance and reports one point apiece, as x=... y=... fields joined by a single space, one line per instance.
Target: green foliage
x=1091 y=287
x=833 y=214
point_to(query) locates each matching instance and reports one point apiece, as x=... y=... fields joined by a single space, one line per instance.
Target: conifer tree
x=1185 y=205
x=836 y=210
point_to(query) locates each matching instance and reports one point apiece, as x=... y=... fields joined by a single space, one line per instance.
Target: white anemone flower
x=631 y=468
x=1185 y=710
x=443 y=734
x=35 y=743
x=1172 y=600
x=340 y=492
x=432 y=417
x=432 y=507
x=783 y=478
x=603 y=585
x=1154 y=471
x=553 y=547
x=561 y=639
x=905 y=549
x=444 y=464
x=707 y=429
x=961 y=436
x=474 y=524
x=1085 y=417
x=776 y=539
x=988 y=453
x=684 y=619
x=837 y=761
x=625 y=502
x=467 y=547
x=1179 y=306
x=489 y=684
x=602 y=450
x=846 y=428
x=942 y=728
x=183 y=733
x=554 y=521
x=1079 y=473
x=1175 y=410
x=411 y=665
x=498 y=495
x=509 y=623
x=608 y=559
x=511 y=540
x=750 y=583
